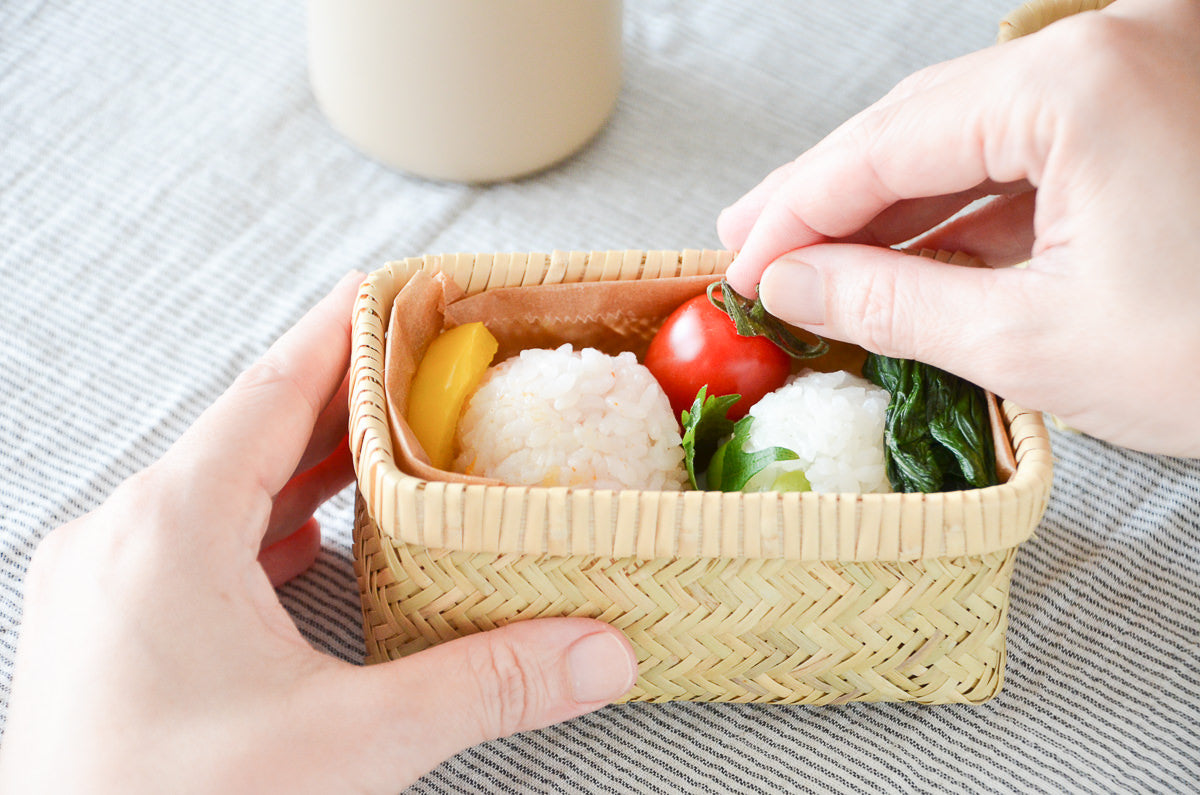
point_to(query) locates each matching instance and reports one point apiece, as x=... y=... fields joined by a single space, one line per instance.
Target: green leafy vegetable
x=704 y=426
x=734 y=466
x=729 y=467
x=937 y=436
x=751 y=319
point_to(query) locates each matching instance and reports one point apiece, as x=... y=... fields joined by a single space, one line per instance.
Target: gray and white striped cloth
x=171 y=201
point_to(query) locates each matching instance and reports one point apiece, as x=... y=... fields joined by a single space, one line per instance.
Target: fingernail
x=601 y=668
x=793 y=291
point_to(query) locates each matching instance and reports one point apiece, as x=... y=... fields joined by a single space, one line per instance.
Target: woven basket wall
x=787 y=598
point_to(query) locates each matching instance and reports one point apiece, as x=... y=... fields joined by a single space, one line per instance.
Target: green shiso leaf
x=714 y=444
x=735 y=466
x=936 y=432
x=704 y=426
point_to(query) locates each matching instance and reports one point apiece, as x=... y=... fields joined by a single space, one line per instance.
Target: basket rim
x=535 y=520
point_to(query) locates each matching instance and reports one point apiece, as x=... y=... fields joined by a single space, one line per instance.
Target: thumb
x=527 y=675
x=904 y=305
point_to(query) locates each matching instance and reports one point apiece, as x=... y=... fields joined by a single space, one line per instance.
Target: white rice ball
x=571 y=418
x=834 y=422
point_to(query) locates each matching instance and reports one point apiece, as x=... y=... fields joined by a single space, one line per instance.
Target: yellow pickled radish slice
x=447 y=375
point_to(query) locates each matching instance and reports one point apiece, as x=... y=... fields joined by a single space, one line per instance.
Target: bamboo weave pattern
x=773 y=631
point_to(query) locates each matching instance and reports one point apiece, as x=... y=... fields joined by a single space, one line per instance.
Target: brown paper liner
x=608 y=316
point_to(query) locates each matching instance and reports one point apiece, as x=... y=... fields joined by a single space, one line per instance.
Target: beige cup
x=466 y=90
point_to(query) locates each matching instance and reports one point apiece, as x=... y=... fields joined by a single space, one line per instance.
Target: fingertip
x=743 y=276
x=793 y=291
x=344 y=291
x=732 y=227
x=602 y=667
x=525 y=675
x=519 y=677
x=776 y=232
x=586 y=663
x=341 y=297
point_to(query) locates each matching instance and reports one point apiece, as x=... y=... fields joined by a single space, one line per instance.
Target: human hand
x=1087 y=134
x=155 y=656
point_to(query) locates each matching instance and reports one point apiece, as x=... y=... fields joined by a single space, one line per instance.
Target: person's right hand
x=1089 y=131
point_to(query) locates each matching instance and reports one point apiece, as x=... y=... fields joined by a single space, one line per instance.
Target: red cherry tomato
x=698 y=345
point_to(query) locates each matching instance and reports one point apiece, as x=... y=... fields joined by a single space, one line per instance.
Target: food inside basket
x=577 y=395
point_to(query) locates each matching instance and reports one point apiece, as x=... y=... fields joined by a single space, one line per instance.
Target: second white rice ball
x=834 y=422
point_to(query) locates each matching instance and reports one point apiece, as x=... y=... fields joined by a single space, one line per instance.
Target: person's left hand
x=155 y=656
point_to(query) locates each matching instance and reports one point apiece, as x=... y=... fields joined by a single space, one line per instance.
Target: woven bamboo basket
x=785 y=598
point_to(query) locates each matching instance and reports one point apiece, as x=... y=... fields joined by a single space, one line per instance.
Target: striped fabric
x=171 y=201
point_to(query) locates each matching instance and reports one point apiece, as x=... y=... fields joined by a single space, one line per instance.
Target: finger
x=530 y=674
x=909 y=218
x=1000 y=232
x=906 y=219
x=244 y=448
x=970 y=321
x=330 y=428
x=949 y=138
x=308 y=491
x=735 y=222
x=895 y=224
x=290 y=557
